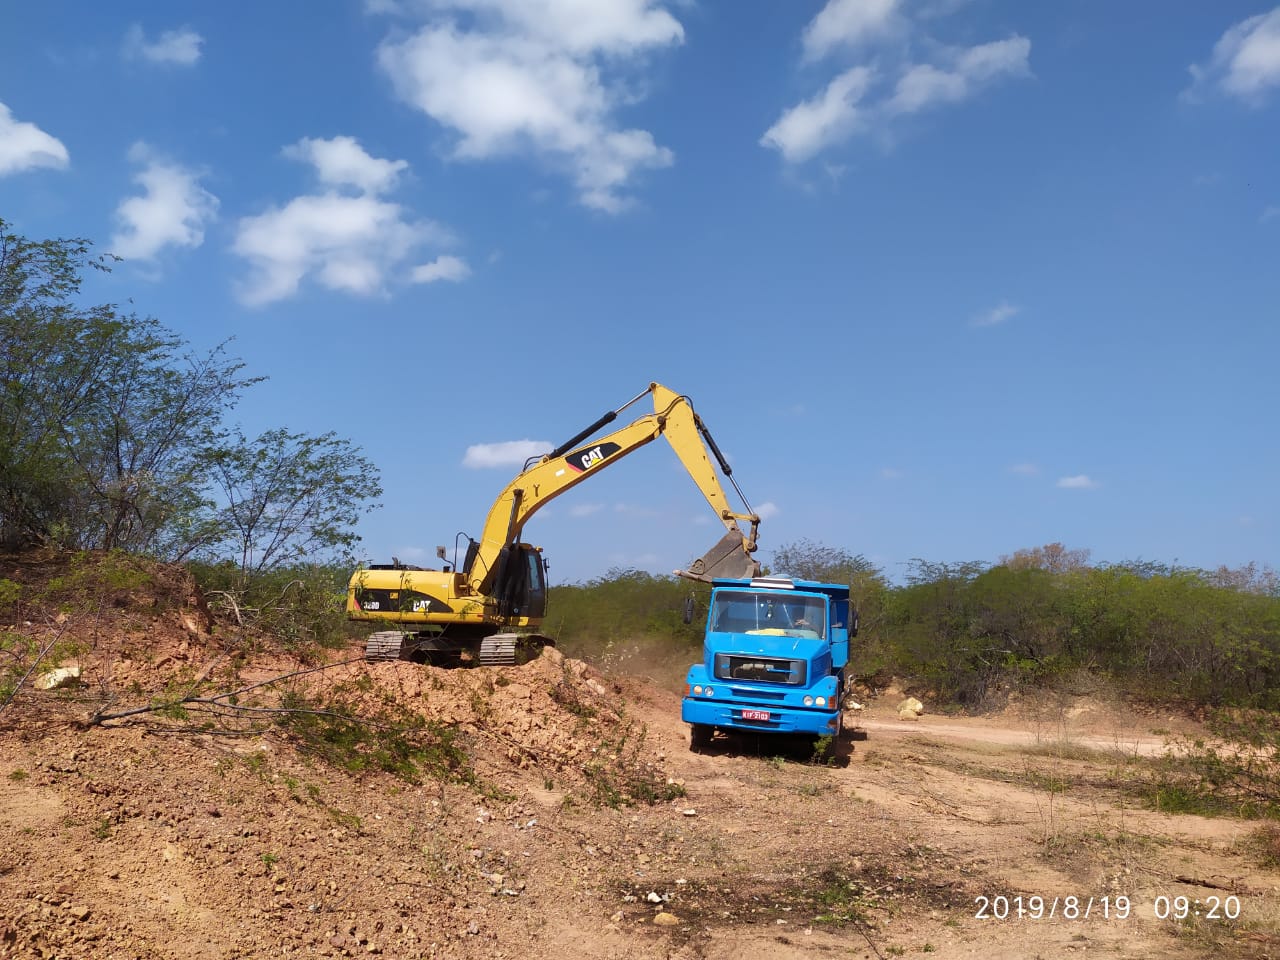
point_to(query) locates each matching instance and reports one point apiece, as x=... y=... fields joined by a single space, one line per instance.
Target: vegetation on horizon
x=966 y=632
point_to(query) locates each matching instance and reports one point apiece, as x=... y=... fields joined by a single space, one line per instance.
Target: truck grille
x=758 y=694
x=730 y=666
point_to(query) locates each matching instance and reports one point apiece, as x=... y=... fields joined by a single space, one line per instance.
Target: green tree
x=49 y=351
x=1053 y=557
x=102 y=416
x=806 y=560
x=113 y=435
x=288 y=496
x=139 y=454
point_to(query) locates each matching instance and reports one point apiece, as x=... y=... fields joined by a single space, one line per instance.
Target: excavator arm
x=579 y=458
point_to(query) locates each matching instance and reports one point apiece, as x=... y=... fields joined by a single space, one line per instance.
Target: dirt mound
x=201 y=779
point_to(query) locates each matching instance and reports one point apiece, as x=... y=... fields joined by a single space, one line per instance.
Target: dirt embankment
x=559 y=813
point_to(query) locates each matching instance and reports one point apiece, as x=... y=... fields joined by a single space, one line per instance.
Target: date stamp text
x=1072 y=907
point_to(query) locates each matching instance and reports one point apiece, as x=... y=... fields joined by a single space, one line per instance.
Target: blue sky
x=945 y=278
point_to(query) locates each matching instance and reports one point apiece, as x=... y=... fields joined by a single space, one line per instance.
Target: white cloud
x=848 y=23
x=1270 y=213
x=508 y=453
x=1246 y=60
x=767 y=510
x=342 y=162
x=442 y=268
x=585 y=509
x=529 y=76
x=181 y=47
x=828 y=118
x=24 y=146
x=585 y=26
x=1025 y=469
x=1079 y=482
x=856 y=101
x=171 y=212
x=924 y=85
x=996 y=315
x=890 y=473
x=347 y=242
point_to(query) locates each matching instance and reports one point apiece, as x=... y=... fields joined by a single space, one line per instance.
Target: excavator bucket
x=728 y=558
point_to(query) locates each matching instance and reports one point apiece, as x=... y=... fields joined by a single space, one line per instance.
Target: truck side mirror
x=688 y=609
x=853 y=623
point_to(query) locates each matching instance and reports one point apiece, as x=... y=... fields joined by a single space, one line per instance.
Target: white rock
x=59 y=679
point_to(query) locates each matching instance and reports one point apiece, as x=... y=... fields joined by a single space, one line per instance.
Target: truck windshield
x=769 y=613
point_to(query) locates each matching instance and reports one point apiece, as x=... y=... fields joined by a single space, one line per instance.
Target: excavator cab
x=520 y=586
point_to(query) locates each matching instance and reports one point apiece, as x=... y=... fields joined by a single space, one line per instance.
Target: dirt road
x=970 y=837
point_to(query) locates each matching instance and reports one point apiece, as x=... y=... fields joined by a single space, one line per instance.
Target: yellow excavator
x=489 y=609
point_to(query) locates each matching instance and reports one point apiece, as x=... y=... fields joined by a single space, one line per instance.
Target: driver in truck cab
x=803 y=617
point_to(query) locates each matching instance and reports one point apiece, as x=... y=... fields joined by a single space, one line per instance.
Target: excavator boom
x=575 y=460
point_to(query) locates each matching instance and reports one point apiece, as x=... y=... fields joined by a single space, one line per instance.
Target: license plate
x=755 y=714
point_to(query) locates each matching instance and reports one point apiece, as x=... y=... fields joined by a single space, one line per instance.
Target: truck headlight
x=698 y=689
x=710 y=692
x=808 y=701
x=821 y=701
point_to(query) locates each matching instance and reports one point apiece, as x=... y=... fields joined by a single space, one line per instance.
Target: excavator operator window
x=521 y=582
x=536 y=604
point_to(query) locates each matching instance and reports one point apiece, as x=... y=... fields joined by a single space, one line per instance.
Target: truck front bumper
x=728 y=715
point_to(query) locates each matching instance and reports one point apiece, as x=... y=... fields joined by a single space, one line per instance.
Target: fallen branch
x=1197 y=882
x=861 y=928
x=1233 y=886
x=99 y=718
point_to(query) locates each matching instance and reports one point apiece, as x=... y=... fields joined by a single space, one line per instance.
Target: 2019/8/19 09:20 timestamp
x=1162 y=907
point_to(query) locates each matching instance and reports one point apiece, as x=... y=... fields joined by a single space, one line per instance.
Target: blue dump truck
x=773 y=661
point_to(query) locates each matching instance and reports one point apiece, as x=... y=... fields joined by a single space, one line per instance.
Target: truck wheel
x=700 y=737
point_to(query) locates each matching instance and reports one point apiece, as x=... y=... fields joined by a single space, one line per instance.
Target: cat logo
x=584 y=459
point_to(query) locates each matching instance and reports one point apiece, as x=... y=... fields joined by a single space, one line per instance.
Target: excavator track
x=384 y=645
x=499 y=650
